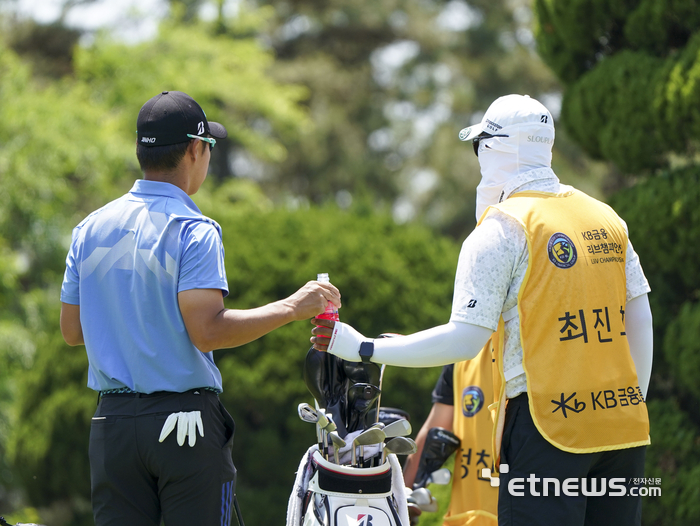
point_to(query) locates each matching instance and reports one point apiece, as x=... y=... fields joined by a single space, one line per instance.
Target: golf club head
x=421 y=497
x=322 y=419
x=401 y=446
x=315 y=374
x=336 y=440
x=373 y=435
x=361 y=398
x=439 y=446
x=398 y=428
x=388 y=414
x=441 y=476
x=362 y=373
x=338 y=443
x=307 y=413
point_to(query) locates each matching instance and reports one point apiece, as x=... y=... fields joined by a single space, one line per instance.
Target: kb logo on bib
x=561 y=250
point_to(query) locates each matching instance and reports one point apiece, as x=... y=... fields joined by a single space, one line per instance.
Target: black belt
x=133 y=394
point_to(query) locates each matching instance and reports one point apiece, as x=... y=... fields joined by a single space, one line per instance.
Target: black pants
x=526 y=452
x=138 y=481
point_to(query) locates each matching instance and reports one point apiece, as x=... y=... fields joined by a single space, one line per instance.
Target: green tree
x=66 y=148
x=630 y=71
x=390 y=85
x=393 y=278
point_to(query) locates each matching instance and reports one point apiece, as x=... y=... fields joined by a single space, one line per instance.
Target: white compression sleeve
x=640 y=335
x=449 y=343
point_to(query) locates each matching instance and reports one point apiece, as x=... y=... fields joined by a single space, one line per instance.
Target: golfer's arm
x=440 y=416
x=71 y=329
x=211 y=326
x=640 y=335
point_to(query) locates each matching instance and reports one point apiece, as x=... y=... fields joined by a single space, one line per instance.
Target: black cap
x=169 y=116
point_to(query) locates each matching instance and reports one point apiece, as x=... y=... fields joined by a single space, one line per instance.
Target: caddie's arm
x=211 y=326
x=640 y=335
x=450 y=343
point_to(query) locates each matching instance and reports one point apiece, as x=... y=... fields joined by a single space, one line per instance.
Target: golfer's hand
x=321 y=333
x=312 y=298
x=187 y=425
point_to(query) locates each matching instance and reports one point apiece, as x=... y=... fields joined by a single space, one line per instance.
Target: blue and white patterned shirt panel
x=492 y=266
x=126 y=265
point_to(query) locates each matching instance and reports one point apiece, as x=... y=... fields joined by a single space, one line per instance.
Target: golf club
x=424 y=499
x=399 y=446
x=311 y=415
x=373 y=435
x=399 y=428
x=337 y=444
x=307 y=413
x=442 y=476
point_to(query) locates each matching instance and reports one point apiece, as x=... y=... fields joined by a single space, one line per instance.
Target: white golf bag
x=329 y=494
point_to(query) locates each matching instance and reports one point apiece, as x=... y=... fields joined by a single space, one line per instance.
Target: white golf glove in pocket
x=187 y=426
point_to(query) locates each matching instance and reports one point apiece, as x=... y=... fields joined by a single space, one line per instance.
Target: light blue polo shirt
x=126 y=264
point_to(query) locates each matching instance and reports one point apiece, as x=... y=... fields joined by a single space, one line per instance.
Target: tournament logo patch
x=561 y=250
x=472 y=400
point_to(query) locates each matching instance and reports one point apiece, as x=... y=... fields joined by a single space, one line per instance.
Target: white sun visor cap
x=520 y=117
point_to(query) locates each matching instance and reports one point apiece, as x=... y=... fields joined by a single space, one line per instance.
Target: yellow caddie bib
x=473 y=501
x=584 y=395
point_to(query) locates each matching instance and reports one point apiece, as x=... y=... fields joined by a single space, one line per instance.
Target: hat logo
x=544 y=119
x=150 y=140
x=200 y=128
x=464 y=134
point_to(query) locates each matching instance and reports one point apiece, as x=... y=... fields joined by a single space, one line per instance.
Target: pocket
x=229 y=426
x=101 y=426
x=228 y=468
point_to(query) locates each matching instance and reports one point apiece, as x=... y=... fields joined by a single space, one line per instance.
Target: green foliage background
x=630 y=74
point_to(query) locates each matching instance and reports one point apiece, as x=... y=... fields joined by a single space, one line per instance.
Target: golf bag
x=334 y=486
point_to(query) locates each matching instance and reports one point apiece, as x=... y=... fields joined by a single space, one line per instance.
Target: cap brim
x=467 y=134
x=217 y=131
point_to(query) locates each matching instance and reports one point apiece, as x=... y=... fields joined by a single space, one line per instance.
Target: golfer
x=143 y=291
x=553 y=273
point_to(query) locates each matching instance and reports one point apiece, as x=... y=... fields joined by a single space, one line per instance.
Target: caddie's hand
x=312 y=299
x=322 y=333
x=187 y=425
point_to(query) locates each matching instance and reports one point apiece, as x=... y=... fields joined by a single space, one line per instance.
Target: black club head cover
x=439 y=445
x=315 y=375
x=361 y=399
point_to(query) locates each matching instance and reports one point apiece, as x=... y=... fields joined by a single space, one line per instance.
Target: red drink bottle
x=331 y=313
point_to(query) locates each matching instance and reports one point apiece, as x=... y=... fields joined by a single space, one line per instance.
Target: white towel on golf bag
x=305 y=471
x=399 y=488
x=301 y=482
x=345 y=452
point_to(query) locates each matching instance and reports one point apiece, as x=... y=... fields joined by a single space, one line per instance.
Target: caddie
x=144 y=291
x=461 y=400
x=553 y=273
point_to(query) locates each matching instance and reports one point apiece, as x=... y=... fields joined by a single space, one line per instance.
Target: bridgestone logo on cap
x=148 y=139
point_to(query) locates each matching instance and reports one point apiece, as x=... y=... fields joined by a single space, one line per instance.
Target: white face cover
x=528 y=146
